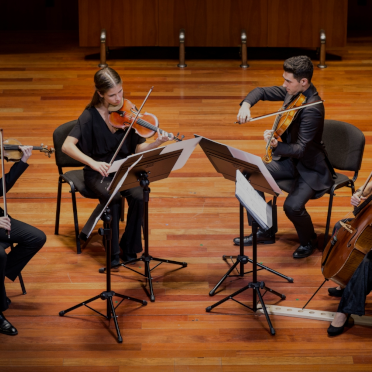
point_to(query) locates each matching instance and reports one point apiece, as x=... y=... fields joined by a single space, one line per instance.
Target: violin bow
x=283 y=111
x=129 y=128
x=3 y=176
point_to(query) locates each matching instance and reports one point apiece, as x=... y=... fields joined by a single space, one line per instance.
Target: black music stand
x=226 y=160
x=108 y=294
x=143 y=168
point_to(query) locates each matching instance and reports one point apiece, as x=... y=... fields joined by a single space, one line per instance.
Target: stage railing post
x=182 y=37
x=103 y=50
x=322 y=58
x=243 y=38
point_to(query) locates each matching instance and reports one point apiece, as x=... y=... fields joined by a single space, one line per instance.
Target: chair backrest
x=344 y=144
x=59 y=136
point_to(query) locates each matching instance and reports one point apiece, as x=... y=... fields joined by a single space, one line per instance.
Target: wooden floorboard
x=193 y=218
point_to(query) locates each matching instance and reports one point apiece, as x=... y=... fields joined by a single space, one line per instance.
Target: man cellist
x=301 y=155
x=353 y=296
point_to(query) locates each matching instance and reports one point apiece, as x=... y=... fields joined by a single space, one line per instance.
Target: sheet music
x=90 y=225
x=256 y=160
x=187 y=146
x=253 y=202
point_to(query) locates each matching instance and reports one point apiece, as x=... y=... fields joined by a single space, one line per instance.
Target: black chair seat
x=77 y=178
x=340 y=181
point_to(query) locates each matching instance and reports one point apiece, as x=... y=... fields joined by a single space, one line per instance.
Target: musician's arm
x=12 y=176
x=160 y=140
x=276 y=93
x=259 y=94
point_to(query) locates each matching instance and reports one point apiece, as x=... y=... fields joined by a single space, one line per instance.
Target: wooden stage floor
x=193 y=218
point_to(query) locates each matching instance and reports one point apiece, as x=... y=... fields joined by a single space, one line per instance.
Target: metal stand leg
x=146 y=257
x=243 y=259
x=108 y=294
x=255 y=285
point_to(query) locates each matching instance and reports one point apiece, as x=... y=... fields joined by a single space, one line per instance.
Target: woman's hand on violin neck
x=163 y=137
x=244 y=114
x=5 y=223
x=267 y=136
x=100 y=167
x=27 y=152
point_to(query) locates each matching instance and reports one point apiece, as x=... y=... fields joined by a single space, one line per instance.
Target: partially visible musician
x=28 y=239
x=93 y=141
x=300 y=156
x=353 y=296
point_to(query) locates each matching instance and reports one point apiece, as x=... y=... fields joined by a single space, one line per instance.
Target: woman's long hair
x=104 y=79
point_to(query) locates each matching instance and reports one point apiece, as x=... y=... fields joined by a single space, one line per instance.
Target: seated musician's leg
x=353 y=299
x=93 y=181
x=28 y=240
x=131 y=241
x=279 y=169
x=294 y=208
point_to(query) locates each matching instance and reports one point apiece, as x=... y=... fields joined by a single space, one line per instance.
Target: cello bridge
x=347 y=227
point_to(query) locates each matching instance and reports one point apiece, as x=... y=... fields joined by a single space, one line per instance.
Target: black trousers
x=29 y=240
x=294 y=205
x=353 y=299
x=131 y=241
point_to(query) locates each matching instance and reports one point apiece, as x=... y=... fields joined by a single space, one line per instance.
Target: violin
x=146 y=125
x=349 y=245
x=13 y=153
x=281 y=124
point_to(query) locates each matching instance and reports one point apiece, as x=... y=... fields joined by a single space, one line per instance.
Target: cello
x=349 y=245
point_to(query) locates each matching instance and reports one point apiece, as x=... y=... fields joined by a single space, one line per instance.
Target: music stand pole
x=108 y=294
x=255 y=285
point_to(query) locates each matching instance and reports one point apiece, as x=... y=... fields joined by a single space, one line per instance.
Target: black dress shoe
x=336 y=292
x=262 y=238
x=335 y=331
x=307 y=250
x=6 y=328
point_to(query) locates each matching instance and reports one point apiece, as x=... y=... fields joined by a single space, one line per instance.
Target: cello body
x=348 y=247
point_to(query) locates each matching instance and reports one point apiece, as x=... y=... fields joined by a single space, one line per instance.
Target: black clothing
x=131 y=241
x=301 y=157
x=353 y=299
x=302 y=141
x=28 y=239
x=99 y=143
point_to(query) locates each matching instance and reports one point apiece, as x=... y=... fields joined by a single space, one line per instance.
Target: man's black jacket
x=302 y=141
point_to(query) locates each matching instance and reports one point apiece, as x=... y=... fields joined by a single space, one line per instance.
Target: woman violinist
x=353 y=296
x=93 y=141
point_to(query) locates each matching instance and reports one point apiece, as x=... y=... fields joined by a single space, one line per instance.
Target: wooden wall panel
x=128 y=22
x=294 y=23
x=213 y=22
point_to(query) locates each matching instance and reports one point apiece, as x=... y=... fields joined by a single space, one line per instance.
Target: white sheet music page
x=252 y=201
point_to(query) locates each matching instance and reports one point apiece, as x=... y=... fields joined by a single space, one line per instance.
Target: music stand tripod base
x=108 y=294
x=146 y=257
x=242 y=259
x=255 y=285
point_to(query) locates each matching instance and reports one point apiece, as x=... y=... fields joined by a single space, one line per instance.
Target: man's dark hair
x=300 y=66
